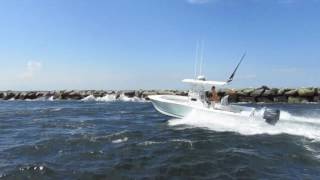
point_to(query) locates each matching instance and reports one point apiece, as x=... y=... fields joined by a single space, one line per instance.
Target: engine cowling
x=271 y=116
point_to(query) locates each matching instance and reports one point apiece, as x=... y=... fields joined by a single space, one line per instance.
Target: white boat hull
x=179 y=106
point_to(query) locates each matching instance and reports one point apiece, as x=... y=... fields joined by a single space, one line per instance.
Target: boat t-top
x=198 y=102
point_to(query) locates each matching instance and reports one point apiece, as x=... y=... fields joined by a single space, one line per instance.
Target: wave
x=288 y=124
x=113 y=97
x=51 y=98
x=117 y=141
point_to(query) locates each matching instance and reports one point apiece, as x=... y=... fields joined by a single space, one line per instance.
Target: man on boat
x=214 y=95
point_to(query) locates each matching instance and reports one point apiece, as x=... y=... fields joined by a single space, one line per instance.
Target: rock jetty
x=262 y=94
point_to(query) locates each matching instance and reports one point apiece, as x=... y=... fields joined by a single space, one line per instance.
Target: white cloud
x=198 y=1
x=32 y=68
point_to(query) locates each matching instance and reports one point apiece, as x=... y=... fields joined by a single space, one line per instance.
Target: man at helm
x=214 y=95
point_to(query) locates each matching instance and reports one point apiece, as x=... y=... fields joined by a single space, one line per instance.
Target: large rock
x=70 y=95
x=17 y=95
x=233 y=97
x=221 y=92
x=270 y=92
x=1 y=95
x=246 y=99
x=31 y=95
x=257 y=92
x=138 y=94
x=316 y=99
x=165 y=92
x=129 y=93
x=57 y=94
x=245 y=92
x=99 y=93
x=264 y=100
x=306 y=92
x=292 y=92
x=280 y=99
x=182 y=93
x=8 y=95
x=74 y=95
x=148 y=93
x=282 y=92
x=295 y=100
x=231 y=92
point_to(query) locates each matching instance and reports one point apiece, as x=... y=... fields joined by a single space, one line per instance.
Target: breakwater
x=251 y=95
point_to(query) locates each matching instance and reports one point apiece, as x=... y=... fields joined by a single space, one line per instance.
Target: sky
x=151 y=44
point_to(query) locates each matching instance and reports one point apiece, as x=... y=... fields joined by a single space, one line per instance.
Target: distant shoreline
x=251 y=95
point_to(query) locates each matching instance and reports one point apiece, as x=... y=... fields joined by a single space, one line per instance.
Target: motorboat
x=197 y=102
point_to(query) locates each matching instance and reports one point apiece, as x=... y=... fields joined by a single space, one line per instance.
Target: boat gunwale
x=187 y=104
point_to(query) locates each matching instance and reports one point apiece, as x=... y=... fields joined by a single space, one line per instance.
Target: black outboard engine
x=271 y=116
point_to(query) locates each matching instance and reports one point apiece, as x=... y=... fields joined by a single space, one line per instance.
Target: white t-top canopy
x=203 y=82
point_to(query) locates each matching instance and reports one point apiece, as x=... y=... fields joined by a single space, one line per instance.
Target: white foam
x=288 y=124
x=117 y=141
x=51 y=98
x=112 y=97
x=147 y=143
x=89 y=98
x=130 y=99
x=106 y=98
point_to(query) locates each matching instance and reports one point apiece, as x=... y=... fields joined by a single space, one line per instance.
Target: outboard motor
x=271 y=116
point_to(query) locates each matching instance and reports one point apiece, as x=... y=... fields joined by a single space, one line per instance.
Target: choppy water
x=130 y=140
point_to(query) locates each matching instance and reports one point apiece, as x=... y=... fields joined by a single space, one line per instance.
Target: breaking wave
x=288 y=124
x=113 y=97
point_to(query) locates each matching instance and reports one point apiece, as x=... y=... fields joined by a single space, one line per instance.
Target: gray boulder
x=31 y=95
x=138 y=94
x=118 y=94
x=292 y=92
x=17 y=95
x=129 y=93
x=316 y=99
x=221 y=92
x=306 y=92
x=280 y=99
x=282 y=92
x=257 y=92
x=295 y=100
x=64 y=95
x=148 y=93
x=270 y=92
x=245 y=92
x=181 y=93
x=246 y=99
x=264 y=100
x=75 y=95
x=8 y=95
x=166 y=92
x=99 y=93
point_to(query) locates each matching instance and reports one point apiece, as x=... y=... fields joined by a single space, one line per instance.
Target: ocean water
x=128 y=139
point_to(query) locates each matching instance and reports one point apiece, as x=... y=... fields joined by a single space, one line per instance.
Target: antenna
x=196 y=60
x=201 y=57
x=235 y=70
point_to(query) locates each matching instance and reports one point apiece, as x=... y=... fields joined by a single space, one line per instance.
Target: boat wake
x=288 y=124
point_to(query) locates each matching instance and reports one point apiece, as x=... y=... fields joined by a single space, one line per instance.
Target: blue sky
x=150 y=44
